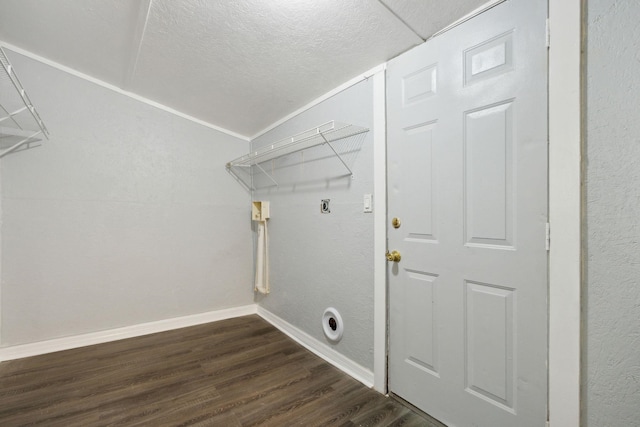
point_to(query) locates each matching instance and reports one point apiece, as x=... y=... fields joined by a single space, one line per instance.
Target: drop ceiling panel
x=245 y=64
x=427 y=17
x=91 y=36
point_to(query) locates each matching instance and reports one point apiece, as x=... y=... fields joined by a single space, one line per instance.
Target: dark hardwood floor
x=237 y=372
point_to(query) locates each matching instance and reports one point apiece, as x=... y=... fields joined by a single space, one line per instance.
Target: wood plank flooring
x=237 y=372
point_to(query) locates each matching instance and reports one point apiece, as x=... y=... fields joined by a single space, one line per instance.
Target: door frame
x=565 y=212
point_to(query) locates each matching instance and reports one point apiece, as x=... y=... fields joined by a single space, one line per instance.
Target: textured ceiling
x=238 y=64
x=427 y=17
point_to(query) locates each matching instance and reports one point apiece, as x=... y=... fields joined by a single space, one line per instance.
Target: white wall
x=322 y=260
x=1 y=252
x=611 y=369
x=127 y=215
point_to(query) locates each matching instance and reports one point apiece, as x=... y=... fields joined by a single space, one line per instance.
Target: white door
x=467 y=180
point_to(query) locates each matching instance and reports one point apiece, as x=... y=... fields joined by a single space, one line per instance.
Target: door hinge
x=547 y=424
x=548 y=34
x=547 y=236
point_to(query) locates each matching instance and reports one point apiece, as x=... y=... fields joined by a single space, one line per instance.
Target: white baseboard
x=360 y=373
x=320 y=349
x=66 y=343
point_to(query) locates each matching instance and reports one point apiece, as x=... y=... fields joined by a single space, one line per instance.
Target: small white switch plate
x=368 y=205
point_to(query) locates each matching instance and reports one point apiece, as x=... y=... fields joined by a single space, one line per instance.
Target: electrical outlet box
x=260 y=210
x=324 y=206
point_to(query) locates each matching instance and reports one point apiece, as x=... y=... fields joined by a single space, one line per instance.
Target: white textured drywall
x=324 y=260
x=611 y=376
x=127 y=215
x=0 y=252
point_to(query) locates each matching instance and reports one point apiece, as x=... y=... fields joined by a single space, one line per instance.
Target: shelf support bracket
x=10 y=115
x=267 y=174
x=14 y=147
x=337 y=155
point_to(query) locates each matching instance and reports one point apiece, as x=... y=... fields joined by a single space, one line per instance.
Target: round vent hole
x=332 y=325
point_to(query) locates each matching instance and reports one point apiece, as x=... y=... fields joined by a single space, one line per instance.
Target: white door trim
x=380 y=231
x=565 y=215
x=565 y=203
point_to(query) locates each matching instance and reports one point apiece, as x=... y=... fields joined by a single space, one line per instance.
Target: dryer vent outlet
x=332 y=324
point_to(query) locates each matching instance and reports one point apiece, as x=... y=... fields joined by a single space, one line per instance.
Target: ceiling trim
x=346 y=85
x=109 y=86
x=136 y=41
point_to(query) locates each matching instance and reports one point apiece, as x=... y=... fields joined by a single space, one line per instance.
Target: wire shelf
x=326 y=133
x=20 y=124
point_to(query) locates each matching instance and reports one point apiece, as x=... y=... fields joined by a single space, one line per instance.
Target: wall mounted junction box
x=260 y=210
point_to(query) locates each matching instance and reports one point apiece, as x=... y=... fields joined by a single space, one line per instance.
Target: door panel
x=422 y=321
x=489 y=342
x=488 y=172
x=418 y=141
x=467 y=178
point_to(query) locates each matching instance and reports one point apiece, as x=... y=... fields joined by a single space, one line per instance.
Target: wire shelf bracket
x=20 y=123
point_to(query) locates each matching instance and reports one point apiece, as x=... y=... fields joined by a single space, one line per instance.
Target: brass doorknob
x=394 y=256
